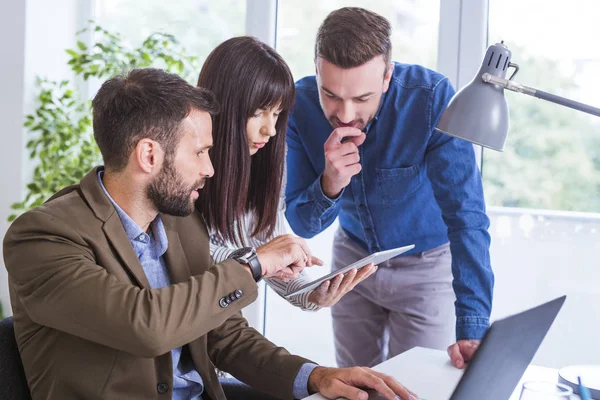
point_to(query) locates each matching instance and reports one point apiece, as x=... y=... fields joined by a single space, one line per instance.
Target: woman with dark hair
x=243 y=206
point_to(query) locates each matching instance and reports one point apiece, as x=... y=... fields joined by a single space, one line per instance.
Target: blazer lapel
x=113 y=228
x=180 y=271
x=175 y=257
x=115 y=233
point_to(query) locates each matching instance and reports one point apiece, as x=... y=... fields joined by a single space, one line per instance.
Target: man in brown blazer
x=114 y=292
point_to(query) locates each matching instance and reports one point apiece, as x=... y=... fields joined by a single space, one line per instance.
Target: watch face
x=247 y=255
x=244 y=252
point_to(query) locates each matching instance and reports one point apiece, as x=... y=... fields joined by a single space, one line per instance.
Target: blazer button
x=223 y=302
x=232 y=297
x=238 y=293
x=162 y=387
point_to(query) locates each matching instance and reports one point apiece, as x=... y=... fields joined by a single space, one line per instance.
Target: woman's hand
x=331 y=291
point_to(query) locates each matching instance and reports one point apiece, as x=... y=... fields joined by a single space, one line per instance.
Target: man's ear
x=147 y=155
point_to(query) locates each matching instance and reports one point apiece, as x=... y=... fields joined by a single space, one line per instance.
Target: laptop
x=504 y=354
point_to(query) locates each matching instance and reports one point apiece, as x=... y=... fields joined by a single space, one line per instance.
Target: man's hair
x=145 y=103
x=352 y=36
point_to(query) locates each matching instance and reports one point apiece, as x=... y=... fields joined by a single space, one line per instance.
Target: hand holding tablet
x=331 y=291
x=374 y=258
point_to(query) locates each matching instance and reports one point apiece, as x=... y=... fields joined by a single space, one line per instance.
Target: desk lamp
x=478 y=113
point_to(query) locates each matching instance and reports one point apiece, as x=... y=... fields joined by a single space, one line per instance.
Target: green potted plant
x=62 y=142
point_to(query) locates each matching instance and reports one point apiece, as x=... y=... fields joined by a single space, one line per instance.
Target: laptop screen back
x=505 y=353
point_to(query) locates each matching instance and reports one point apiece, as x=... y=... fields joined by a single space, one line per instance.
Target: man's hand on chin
x=462 y=352
x=347 y=382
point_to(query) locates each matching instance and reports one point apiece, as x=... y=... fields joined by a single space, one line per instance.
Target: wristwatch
x=248 y=256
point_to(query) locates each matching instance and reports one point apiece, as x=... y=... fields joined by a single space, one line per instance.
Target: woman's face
x=260 y=127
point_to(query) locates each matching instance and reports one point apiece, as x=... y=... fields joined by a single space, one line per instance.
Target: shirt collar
x=376 y=117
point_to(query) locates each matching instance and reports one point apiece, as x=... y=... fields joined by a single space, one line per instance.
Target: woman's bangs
x=275 y=89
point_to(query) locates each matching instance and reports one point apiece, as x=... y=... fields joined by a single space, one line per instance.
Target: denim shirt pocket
x=394 y=185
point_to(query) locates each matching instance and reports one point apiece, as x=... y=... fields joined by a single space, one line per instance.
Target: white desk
x=429 y=374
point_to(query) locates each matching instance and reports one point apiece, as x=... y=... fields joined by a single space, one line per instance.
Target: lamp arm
x=540 y=94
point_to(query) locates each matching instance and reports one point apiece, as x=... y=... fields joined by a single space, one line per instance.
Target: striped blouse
x=221 y=250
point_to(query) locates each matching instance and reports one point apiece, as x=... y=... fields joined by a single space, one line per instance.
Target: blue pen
x=584 y=392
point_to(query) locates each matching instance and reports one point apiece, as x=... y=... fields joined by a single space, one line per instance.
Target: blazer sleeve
x=250 y=357
x=60 y=285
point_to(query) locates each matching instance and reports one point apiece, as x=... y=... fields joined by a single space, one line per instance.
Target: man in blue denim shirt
x=393 y=181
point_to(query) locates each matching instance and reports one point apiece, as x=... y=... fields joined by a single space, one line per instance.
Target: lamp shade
x=478 y=113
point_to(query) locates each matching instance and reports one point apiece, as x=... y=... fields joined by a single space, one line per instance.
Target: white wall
x=12 y=30
x=35 y=33
x=51 y=28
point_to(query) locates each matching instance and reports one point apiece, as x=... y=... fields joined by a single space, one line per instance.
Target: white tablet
x=375 y=258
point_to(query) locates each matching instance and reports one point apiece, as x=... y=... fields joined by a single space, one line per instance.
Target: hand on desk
x=345 y=382
x=462 y=352
x=331 y=291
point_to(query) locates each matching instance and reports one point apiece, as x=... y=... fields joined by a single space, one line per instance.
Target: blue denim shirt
x=150 y=249
x=416 y=185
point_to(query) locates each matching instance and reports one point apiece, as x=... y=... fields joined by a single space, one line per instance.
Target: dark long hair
x=245 y=75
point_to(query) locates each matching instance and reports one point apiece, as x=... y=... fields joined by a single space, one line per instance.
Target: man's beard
x=357 y=123
x=169 y=193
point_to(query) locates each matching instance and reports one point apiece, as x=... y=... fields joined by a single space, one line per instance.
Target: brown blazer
x=89 y=326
